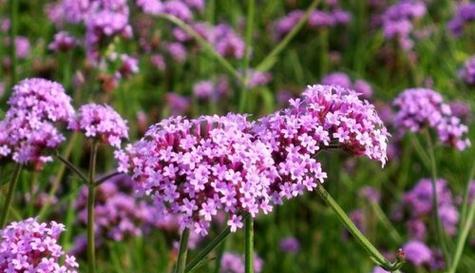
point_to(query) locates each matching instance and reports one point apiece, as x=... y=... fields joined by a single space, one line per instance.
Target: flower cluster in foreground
x=420 y=107
x=195 y=168
x=36 y=106
x=29 y=246
x=100 y=122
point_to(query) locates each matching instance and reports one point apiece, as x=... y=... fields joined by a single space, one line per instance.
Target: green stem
x=269 y=60
x=463 y=211
x=91 y=249
x=219 y=257
x=13 y=34
x=435 y=198
x=462 y=238
x=207 y=249
x=249 y=244
x=73 y=168
x=205 y=44
x=9 y=197
x=247 y=53
x=386 y=223
x=182 y=252
x=375 y=255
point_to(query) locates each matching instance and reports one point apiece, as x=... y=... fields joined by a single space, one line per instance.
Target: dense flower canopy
x=29 y=246
x=195 y=168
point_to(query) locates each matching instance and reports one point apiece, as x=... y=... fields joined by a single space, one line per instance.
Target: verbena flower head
x=289 y=244
x=22 y=45
x=465 y=13
x=325 y=116
x=62 y=42
x=29 y=246
x=100 y=122
x=419 y=108
x=342 y=79
x=195 y=168
x=417 y=253
x=28 y=130
x=467 y=73
x=234 y=263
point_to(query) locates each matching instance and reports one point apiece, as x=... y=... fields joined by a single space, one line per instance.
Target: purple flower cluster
x=467 y=73
x=418 y=201
x=317 y=19
x=211 y=90
x=397 y=21
x=289 y=244
x=234 y=263
x=258 y=78
x=419 y=107
x=465 y=14
x=343 y=80
x=182 y=9
x=177 y=104
x=29 y=246
x=62 y=42
x=100 y=122
x=195 y=168
x=325 y=117
x=28 y=129
x=22 y=45
x=417 y=253
x=118 y=214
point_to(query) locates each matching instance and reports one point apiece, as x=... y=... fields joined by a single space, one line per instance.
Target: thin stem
x=249 y=244
x=247 y=52
x=203 y=43
x=375 y=255
x=106 y=178
x=435 y=198
x=72 y=168
x=182 y=252
x=13 y=34
x=59 y=175
x=207 y=249
x=386 y=223
x=269 y=60
x=9 y=197
x=463 y=211
x=91 y=249
x=462 y=238
x=219 y=257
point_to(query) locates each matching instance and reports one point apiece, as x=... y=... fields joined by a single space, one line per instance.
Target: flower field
x=150 y=136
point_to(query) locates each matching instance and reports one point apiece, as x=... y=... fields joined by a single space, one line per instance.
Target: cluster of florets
x=100 y=122
x=397 y=21
x=419 y=108
x=317 y=19
x=118 y=214
x=211 y=90
x=234 y=263
x=419 y=204
x=465 y=14
x=326 y=117
x=62 y=42
x=28 y=129
x=195 y=168
x=342 y=79
x=29 y=246
x=467 y=73
x=182 y=9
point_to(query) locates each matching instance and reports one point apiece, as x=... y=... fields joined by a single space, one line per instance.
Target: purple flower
x=234 y=263
x=378 y=269
x=158 y=62
x=153 y=7
x=467 y=73
x=258 y=78
x=100 y=122
x=364 y=88
x=289 y=245
x=338 y=78
x=325 y=116
x=203 y=89
x=29 y=246
x=370 y=193
x=460 y=109
x=417 y=229
x=28 y=130
x=177 y=51
x=227 y=42
x=465 y=13
x=62 y=42
x=420 y=108
x=129 y=65
x=285 y=24
x=22 y=47
x=177 y=104
x=417 y=253
x=195 y=168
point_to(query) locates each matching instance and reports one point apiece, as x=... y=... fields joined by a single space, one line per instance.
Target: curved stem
x=435 y=198
x=106 y=177
x=91 y=249
x=360 y=238
x=73 y=168
x=182 y=252
x=9 y=197
x=203 y=43
x=249 y=244
x=13 y=34
x=269 y=60
x=207 y=249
